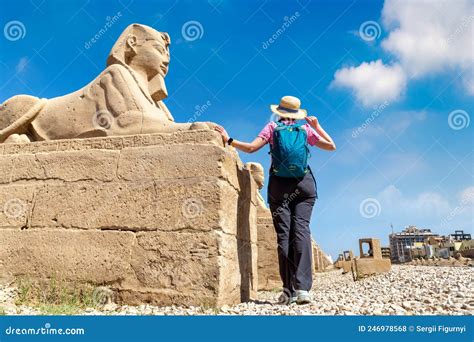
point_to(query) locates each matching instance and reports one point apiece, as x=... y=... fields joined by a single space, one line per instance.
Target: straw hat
x=289 y=108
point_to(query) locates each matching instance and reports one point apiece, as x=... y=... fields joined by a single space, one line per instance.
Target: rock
x=397 y=308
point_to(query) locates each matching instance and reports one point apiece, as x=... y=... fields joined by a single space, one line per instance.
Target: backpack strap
x=279 y=126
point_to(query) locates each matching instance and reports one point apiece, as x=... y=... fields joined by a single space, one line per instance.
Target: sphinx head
x=142 y=47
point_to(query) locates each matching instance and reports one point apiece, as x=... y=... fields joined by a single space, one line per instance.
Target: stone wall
x=268 y=273
x=320 y=260
x=159 y=218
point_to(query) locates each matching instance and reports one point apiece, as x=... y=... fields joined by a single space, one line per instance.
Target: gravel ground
x=406 y=290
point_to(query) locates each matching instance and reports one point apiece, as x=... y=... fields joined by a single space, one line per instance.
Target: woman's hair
x=285 y=119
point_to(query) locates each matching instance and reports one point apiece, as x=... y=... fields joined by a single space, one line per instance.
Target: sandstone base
x=320 y=260
x=268 y=270
x=159 y=218
x=369 y=266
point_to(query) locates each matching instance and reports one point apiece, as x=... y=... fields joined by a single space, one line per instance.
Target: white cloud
x=468 y=82
x=425 y=38
x=377 y=131
x=427 y=204
x=21 y=65
x=403 y=120
x=429 y=36
x=372 y=83
x=466 y=197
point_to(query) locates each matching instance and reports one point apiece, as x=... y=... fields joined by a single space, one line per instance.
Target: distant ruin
x=368 y=263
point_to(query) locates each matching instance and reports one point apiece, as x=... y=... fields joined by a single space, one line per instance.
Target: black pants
x=291 y=202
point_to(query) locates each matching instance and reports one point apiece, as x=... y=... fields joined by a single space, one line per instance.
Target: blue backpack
x=289 y=151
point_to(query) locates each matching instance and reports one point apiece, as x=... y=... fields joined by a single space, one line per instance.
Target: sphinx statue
x=126 y=98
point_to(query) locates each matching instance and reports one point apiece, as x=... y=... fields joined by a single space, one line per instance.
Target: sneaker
x=286 y=299
x=302 y=297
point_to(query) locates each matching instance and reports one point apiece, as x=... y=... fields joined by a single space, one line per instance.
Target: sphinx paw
x=17 y=139
x=202 y=125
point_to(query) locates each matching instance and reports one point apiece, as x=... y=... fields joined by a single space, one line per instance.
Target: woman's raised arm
x=325 y=141
x=254 y=146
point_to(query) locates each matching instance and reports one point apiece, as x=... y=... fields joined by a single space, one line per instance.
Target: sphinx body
x=126 y=98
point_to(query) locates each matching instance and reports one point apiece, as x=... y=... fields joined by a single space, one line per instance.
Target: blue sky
x=393 y=87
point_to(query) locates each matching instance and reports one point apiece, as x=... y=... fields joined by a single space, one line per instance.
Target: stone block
x=96 y=257
x=159 y=218
x=177 y=161
x=367 y=267
x=268 y=271
x=193 y=203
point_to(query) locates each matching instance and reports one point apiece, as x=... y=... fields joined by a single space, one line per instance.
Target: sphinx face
x=153 y=56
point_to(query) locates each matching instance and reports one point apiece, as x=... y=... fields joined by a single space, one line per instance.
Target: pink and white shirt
x=267 y=132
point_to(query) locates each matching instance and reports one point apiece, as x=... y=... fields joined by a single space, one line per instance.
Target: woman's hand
x=312 y=121
x=222 y=131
